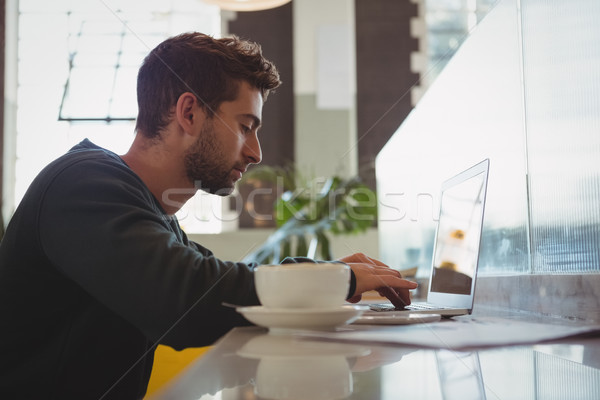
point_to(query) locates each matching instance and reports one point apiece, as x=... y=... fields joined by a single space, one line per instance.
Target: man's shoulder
x=88 y=151
x=86 y=165
x=86 y=157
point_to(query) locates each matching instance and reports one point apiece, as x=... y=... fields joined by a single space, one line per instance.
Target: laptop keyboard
x=415 y=306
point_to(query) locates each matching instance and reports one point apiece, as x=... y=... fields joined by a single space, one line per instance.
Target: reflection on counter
x=285 y=365
x=249 y=363
x=460 y=375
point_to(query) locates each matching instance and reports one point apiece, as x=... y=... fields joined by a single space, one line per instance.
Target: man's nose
x=252 y=149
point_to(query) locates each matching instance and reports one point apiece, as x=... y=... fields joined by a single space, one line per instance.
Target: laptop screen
x=458 y=234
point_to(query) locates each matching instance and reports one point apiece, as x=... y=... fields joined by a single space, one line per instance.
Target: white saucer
x=302 y=318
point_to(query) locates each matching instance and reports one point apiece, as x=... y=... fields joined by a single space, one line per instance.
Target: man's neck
x=160 y=168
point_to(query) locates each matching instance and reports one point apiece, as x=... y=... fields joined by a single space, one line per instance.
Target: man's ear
x=189 y=113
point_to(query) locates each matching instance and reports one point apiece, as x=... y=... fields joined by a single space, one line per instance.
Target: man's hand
x=372 y=274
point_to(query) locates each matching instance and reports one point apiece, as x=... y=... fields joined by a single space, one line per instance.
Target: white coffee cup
x=302 y=285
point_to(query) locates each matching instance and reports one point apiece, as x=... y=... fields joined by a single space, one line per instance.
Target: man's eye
x=246 y=129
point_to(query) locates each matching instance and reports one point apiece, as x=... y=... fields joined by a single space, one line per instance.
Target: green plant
x=309 y=210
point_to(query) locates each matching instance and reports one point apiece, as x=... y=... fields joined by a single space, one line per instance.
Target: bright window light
x=77 y=71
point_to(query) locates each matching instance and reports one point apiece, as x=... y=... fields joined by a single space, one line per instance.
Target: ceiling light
x=247 y=5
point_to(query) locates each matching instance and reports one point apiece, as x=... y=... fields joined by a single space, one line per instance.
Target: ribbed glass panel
x=557 y=378
x=561 y=67
x=508 y=373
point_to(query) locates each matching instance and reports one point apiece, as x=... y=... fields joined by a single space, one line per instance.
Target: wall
x=2 y=64
x=235 y=245
x=385 y=78
x=272 y=29
x=325 y=130
x=524 y=91
x=9 y=109
x=352 y=81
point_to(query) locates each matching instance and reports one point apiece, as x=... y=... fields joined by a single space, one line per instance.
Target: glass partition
x=473 y=111
x=561 y=65
x=524 y=91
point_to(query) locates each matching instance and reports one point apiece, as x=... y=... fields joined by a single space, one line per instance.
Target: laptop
x=455 y=254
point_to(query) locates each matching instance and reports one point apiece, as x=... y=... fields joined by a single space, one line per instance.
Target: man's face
x=227 y=144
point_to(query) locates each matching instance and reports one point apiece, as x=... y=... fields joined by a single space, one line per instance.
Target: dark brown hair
x=210 y=68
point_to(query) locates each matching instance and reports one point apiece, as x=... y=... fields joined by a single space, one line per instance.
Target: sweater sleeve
x=102 y=228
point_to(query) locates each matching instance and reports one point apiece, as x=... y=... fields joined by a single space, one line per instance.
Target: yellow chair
x=168 y=363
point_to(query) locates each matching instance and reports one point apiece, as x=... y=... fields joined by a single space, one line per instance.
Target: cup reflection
x=291 y=368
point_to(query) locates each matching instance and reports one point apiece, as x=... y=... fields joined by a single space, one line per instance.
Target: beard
x=206 y=165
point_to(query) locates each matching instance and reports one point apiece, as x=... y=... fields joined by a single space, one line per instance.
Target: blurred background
x=401 y=94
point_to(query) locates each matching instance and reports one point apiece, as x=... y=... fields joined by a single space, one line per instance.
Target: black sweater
x=94 y=274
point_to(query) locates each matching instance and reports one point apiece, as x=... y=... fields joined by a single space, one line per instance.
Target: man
x=94 y=269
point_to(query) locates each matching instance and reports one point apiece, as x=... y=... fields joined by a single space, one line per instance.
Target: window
x=77 y=68
x=449 y=23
